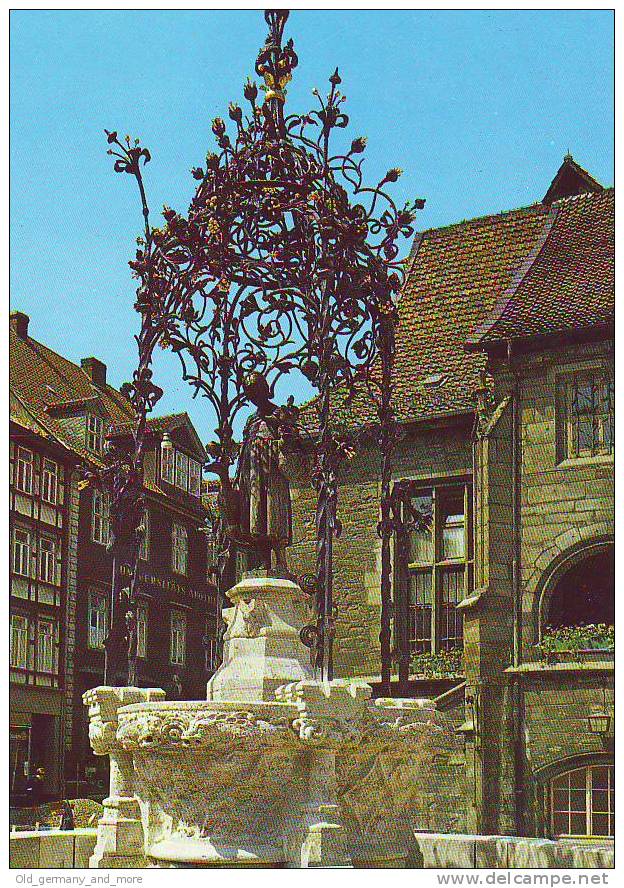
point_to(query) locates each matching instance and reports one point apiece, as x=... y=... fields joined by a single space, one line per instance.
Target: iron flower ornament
x=286 y=262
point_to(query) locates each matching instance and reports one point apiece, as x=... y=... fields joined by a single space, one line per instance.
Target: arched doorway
x=585 y=592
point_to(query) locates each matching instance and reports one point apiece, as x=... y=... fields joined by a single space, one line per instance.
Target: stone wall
x=435 y=453
x=566 y=504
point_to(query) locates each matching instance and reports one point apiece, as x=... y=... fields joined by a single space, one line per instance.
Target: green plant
x=590 y=636
x=444 y=664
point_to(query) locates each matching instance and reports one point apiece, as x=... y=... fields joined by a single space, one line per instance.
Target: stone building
x=61 y=568
x=504 y=468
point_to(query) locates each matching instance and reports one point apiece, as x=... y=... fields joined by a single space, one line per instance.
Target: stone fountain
x=273 y=768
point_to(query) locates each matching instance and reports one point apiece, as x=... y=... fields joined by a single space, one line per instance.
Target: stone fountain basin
x=226 y=782
x=218 y=783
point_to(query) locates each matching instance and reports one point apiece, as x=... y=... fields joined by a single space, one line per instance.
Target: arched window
x=582 y=802
x=585 y=593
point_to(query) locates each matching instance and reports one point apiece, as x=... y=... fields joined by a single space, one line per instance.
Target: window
x=145 y=537
x=100 y=517
x=47 y=560
x=213 y=549
x=582 y=802
x=181 y=473
x=98 y=619
x=46 y=653
x=194 y=477
x=177 y=650
x=141 y=630
x=22 y=549
x=590 y=414
x=167 y=464
x=95 y=433
x=19 y=641
x=210 y=647
x=434 y=565
x=49 y=481
x=180 y=548
x=24 y=470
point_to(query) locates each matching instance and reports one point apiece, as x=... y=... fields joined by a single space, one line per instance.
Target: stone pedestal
x=120 y=837
x=262 y=648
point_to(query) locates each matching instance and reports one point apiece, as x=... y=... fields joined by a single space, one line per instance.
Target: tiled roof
x=457 y=276
x=44 y=380
x=570 y=284
x=155 y=423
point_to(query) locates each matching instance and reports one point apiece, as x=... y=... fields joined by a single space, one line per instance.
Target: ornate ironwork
x=286 y=261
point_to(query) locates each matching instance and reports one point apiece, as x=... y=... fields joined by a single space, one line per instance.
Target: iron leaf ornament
x=286 y=261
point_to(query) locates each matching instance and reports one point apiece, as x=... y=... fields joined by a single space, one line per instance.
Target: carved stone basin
x=311 y=774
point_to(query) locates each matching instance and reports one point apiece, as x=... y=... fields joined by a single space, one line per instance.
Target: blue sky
x=477 y=107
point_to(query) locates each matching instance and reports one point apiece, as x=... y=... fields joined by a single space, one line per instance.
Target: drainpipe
x=516 y=696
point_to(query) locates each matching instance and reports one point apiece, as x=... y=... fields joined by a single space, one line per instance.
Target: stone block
x=441 y=851
x=56 y=850
x=491 y=852
x=585 y=855
x=84 y=846
x=24 y=850
x=531 y=854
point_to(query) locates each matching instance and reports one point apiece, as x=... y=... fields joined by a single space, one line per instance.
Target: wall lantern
x=166 y=443
x=599 y=723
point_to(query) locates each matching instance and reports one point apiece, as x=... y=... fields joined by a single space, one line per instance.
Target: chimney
x=18 y=322
x=95 y=370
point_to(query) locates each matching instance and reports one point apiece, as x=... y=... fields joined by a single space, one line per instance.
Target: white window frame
x=22 y=552
x=179 y=548
x=167 y=464
x=142 y=613
x=46 y=646
x=47 y=560
x=97 y=630
x=144 y=548
x=194 y=477
x=100 y=517
x=20 y=641
x=177 y=638
x=181 y=470
x=589 y=812
x=24 y=470
x=49 y=481
x=95 y=433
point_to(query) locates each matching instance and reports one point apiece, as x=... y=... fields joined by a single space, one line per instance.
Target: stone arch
x=569 y=548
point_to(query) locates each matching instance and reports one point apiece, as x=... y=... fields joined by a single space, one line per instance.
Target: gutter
x=516 y=695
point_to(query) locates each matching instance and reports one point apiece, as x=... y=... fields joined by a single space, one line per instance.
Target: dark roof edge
x=552 y=338
x=473 y=342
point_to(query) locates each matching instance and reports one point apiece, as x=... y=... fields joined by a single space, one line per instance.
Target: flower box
x=571 y=644
x=446 y=664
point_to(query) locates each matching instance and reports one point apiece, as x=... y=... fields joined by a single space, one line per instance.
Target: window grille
x=582 y=802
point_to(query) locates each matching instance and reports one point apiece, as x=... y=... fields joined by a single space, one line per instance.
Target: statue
x=264 y=491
